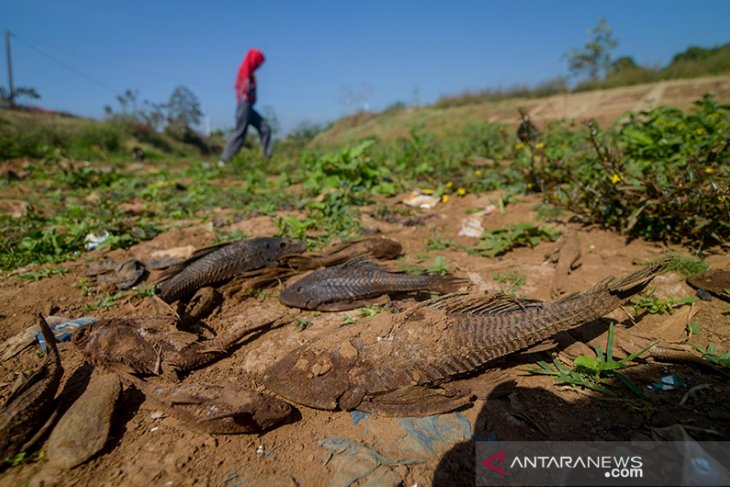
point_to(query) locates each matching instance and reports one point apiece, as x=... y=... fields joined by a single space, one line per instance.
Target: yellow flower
x=709 y=170
x=519 y=146
x=680 y=185
x=461 y=191
x=539 y=145
x=529 y=185
x=478 y=172
x=427 y=191
x=449 y=184
x=615 y=178
x=444 y=198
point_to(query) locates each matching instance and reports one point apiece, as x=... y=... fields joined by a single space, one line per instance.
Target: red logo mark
x=499 y=456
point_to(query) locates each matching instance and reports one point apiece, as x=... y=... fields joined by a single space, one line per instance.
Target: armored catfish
x=219 y=263
x=352 y=284
x=398 y=364
x=29 y=407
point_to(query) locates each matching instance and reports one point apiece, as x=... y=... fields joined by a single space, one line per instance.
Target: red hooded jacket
x=245 y=85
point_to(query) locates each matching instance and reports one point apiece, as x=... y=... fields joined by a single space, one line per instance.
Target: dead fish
x=375 y=247
x=352 y=284
x=398 y=364
x=29 y=408
x=215 y=408
x=716 y=282
x=84 y=429
x=140 y=346
x=218 y=263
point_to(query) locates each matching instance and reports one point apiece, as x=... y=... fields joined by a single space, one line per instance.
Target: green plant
x=501 y=241
x=711 y=354
x=145 y=290
x=595 y=57
x=230 y=236
x=512 y=278
x=654 y=305
x=437 y=241
x=347 y=320
x=106 y=301
x=439 y=266
x=547 y=212
x=47 y=272
x=302 y=323
x=370 y=311
x=594 y=372
x=682 y=264
x=15 y=460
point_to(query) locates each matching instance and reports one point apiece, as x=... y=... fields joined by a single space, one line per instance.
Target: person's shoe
x=222 y=163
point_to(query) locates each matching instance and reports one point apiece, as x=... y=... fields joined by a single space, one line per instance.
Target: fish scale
x=224 y=261
x=358 y=279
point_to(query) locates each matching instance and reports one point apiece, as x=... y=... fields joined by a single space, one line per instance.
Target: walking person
x=245 y=87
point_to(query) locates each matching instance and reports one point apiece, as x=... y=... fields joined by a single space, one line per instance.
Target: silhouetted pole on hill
x=11 y=96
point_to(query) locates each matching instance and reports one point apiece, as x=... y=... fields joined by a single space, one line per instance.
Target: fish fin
x=361 y=262
x=415 y=401
x=348 y=305
x=632 y=283
x=483 y=305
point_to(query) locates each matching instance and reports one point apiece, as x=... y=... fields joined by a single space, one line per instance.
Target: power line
x=139 y=70
x=65 y=65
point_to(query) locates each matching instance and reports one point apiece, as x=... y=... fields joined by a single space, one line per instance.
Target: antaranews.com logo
x=598 y=463
x=611 y=466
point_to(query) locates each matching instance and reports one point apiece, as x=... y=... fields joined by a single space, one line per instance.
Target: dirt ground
x=343 y=448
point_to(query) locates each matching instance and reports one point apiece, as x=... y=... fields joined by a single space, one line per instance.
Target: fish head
x=302 y=294
x=270 y=411
x=313 y=378
x=277 y=247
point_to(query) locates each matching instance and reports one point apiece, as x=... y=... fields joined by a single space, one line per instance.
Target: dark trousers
x=245 y=116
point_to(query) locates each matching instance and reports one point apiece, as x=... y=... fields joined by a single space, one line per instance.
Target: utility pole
x=11 y=95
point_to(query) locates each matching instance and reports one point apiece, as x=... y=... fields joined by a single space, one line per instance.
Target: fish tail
x=48 y=336
x=446 y=284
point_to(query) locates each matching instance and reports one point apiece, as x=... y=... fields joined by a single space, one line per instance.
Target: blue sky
x=316 y=51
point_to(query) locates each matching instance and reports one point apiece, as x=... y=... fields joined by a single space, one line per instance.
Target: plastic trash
x=471 y=227
x=418 y=200
x=92 y=240
x=63 y=328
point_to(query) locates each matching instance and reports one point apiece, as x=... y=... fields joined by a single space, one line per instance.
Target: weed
x=497 y=242
x=593 y=372
x=230 y=236
x=438 y=242
x=347 y=320
x=106 y=301
x=15 y=460
x=682 y=264
x=86 y=289
x=694 y=328
x=654 y=305
x=370 y=311
x=711 y=354
x=47 y=272
x=145 y=290
x=547 y=212
x=439 y=266
x=512 y=278
x=302 y=323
